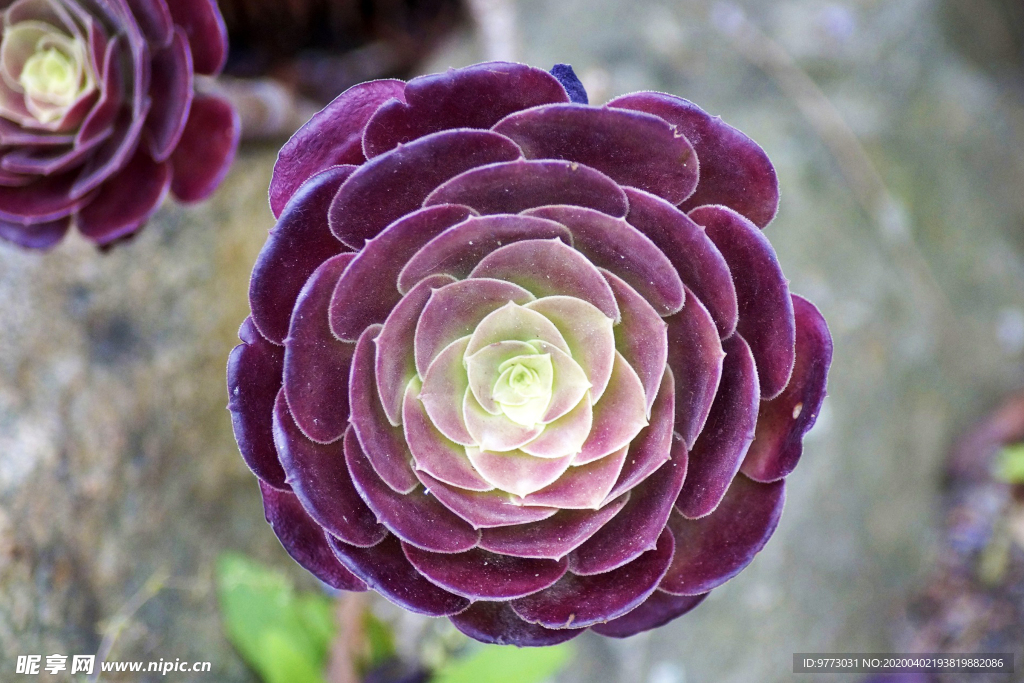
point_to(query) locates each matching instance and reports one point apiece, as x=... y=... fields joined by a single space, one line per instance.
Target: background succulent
x=99 y=117
x=520 y=361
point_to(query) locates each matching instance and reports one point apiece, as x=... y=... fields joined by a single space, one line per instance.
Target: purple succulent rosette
x=523 y=362
x=99 y=117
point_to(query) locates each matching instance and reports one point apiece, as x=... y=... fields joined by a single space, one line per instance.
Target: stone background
x=117 y=462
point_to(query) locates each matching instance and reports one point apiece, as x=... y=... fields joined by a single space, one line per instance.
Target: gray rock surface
x=116 y=455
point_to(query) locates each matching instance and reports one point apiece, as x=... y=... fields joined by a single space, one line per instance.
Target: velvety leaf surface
x=497 y=624
x=513 y=322
x=517 y=472
x=657 y=610
x=206 y=33
x=588 y=335
x=480 y=575
x=641 y=337
x=618 y=416
x=653 y=446
x=484 y=509
x=206 y=148
x=126 y=201
x=444 y=390
x=695 y=355
x=581 y=488
x=171 y=79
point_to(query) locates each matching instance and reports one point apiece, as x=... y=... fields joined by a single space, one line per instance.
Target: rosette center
x=523 y=388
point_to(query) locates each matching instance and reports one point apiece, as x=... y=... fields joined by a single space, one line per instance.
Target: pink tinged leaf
x=389 y=186
x=396 y=357
x=581 y=488
x=520 y=185
x=641 y=336
x=444 y=390
x=45 y=11
x=483 y=369
x=588 y=335
x=207 y=34
x=417 y=517
x=552 y=538
x=513 y=322
x=698 y=261
x=615 y=245
x=368 y=290
x=480 y=575
x=316 y=365
x=254 y=380
x=549 y=268
x=304 y=540
x=516 y=472
x=127 y=201
x=155 y=21
x=384 y=445
x=589 y=600
x=484 y=510
x=457 y=250
x=783 y=421
x=566 y=435
x=495 y=623
x=734 y=170
x=455 y=310
x=762 y=292
x=332 y=137
x=718 y=453
x=477 y=96
x=657 y=610
x=319 y=477
x=618 y=416
x=171 y=94
x=386 y=570
x=654 y=445
x=296 y=246
x=98 y=122
x=631 y=148
x=433 y=453
x=13 y=135
x=37 y=236
x=695 y=356
x=712 y=550
x=206 y=148
x=43 y=201
x=636 y=529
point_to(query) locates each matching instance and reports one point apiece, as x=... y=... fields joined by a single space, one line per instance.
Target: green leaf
x=1009 y=465
x=283 y=635
x=505 y=664
x=380 y=638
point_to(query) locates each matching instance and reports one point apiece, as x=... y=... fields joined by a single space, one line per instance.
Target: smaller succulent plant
x=99 y=117
x=520 y=361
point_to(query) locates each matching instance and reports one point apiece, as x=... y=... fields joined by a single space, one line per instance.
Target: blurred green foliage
x=1009 y=466
x=505 y=664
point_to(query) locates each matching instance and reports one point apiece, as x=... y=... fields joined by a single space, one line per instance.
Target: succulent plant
x=520 y=361
x=99 y=118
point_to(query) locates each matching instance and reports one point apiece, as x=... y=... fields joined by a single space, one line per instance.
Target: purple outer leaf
x=207 y=34
x=484 y=509
x=653 y=446
x=368 y=290
x=480 y=575
x=657 y=610
x=319 y=478
x=254 y=379
x=631 y=148
x=36 y=236
x=126 y=200
x=617 y=246
x=396 y=357
x=388 y=187
x=454 y=311
x=304 y=540
x=718 y=453
x=712 y=550
x=385 y=569
x=641 y=337
x=554 y=537
x=549 y=268
x=206 y=148
x=698 y=261
x=383 y=444
x=457 y=250
x=520 y=185
x=783 y=421
x=476 y=96
x=416 y=517
x=762 y=293
x=495 y=623
x=297 y=244
x=589 y=600
x=734 y=170
x=635 y=530
x=332 y=137
x=171 y=93
x=43 y=201
x=316 y=364
x=695 y=355
x=155 y=21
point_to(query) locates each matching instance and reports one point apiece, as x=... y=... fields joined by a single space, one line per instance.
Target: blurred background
x=897 y=128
